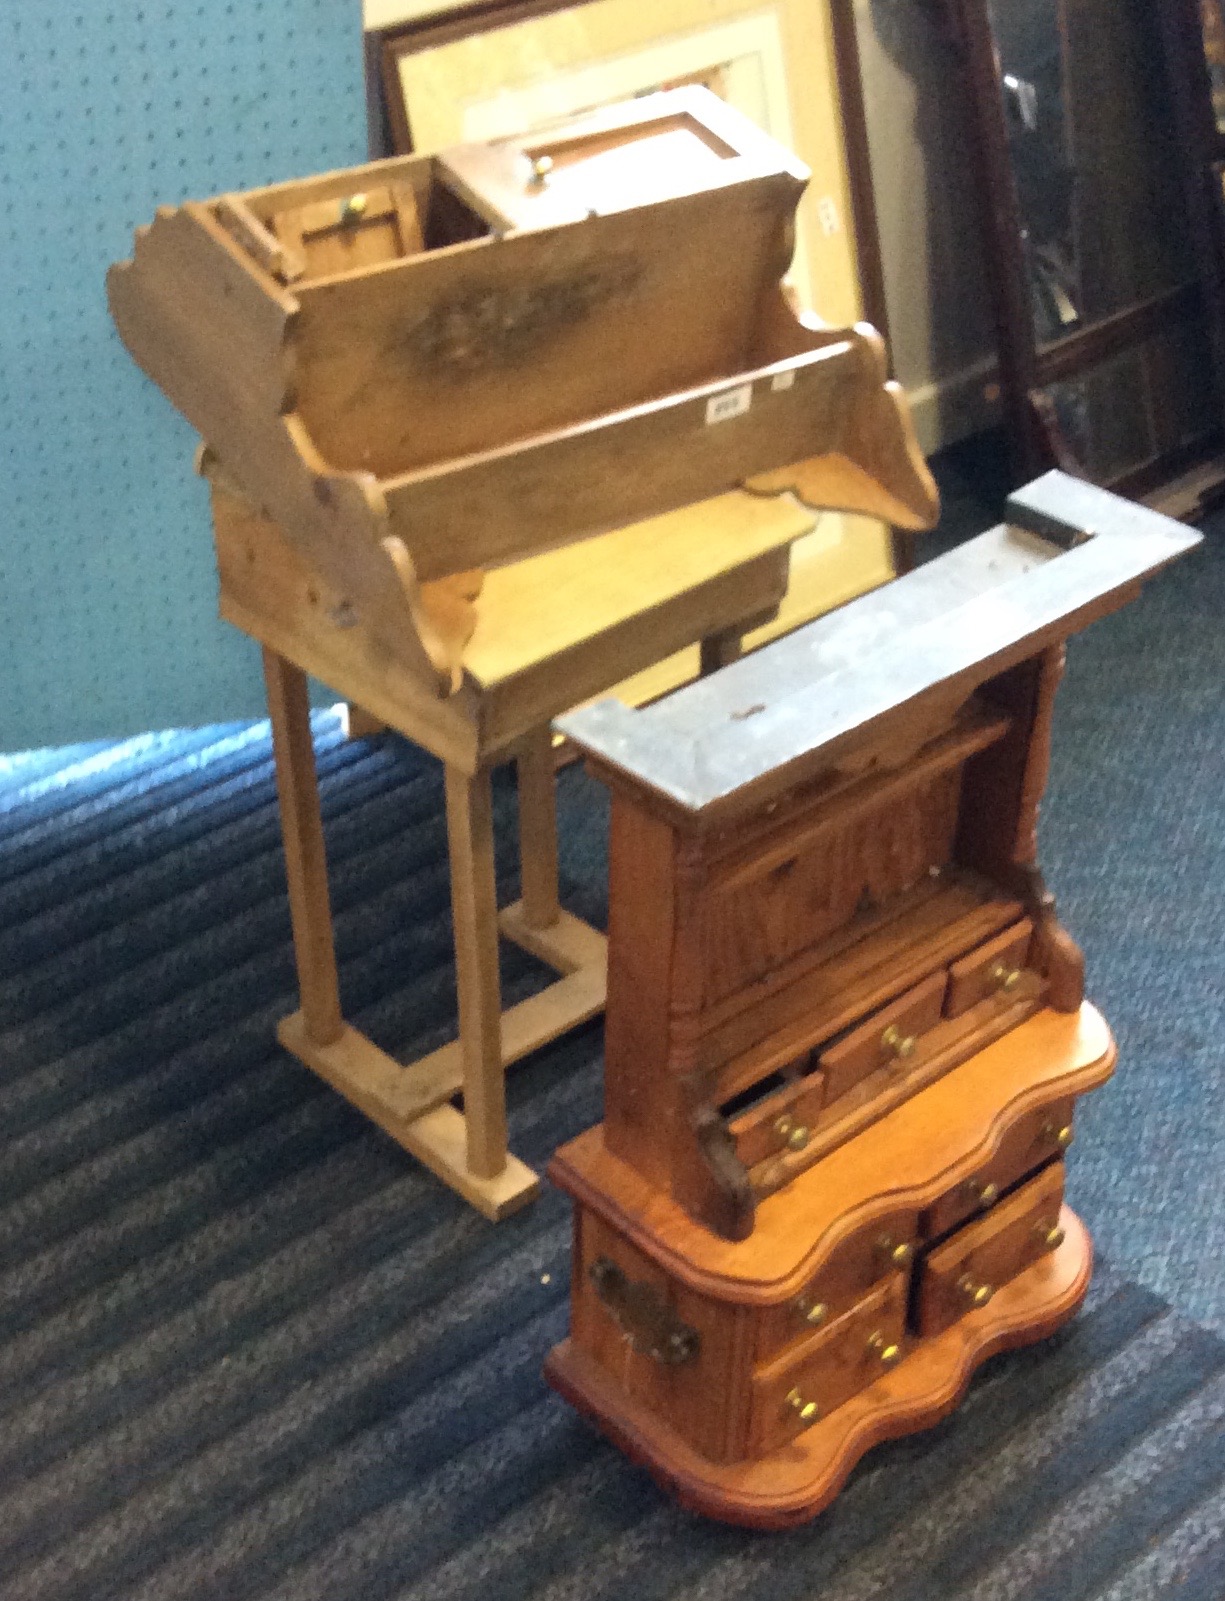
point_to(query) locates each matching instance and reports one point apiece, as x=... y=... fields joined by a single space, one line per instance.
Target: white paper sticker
x=731 y=403
x=783 y=380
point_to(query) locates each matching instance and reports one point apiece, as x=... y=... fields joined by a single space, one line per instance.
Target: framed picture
x=486 y=74
x=1212 y=24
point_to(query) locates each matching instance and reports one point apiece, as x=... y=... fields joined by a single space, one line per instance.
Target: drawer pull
x=806 y=1411
x=793 y=1135
x=900 y=1254
x=983 y=1195
x=1062 y=1136
x=901 y=1045
x=886 y=1352
x=977 y=1294
x=1004 y=978
x=814 y=1313
x=1050 y=1235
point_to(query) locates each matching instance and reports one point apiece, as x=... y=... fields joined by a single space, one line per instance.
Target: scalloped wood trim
x=793 y=1485
x=923 y=1148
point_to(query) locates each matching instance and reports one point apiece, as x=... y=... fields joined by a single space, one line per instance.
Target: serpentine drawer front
x=1027 y=1144
x=792 y=1394
x=876 y=1255
x=964 y=1273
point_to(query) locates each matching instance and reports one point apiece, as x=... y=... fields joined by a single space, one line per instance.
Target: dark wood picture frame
x=390 y=132
x=1029 y=371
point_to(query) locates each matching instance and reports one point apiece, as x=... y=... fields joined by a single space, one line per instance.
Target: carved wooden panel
x=753 y=925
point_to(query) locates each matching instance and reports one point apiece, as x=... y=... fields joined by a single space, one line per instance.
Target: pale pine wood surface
x=536 y=609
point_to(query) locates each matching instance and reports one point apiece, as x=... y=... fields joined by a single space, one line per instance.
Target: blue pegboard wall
x=108 y=592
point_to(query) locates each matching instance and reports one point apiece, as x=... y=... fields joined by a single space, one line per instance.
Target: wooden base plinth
x=792 y=1485
x=410 y=1102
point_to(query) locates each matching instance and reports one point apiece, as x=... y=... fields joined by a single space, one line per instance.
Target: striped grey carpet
x=248 y=1349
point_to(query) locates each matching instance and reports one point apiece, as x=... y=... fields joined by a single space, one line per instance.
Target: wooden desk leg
x=474 y=909
x=468 y=1152
x=538 y=829
x=305 y=859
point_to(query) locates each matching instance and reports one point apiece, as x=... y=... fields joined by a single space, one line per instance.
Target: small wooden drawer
x=1029 y=1142
x=835 y=1364
x=888 y=1038
x=960 y=1276
x=780 y=1122
x=877 y=1254
x=992 y=969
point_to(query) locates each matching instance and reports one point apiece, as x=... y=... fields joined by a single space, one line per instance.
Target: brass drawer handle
x=976 y=1293
x=1050 y=1236
x=900 y=1045
x=899 y=1253
x=806 y=1411
x=644 y=1317
x=1062 y=1136
x=886 y=1351
x=1004 y=978
x=794 y=1135
x=983 y=1195
x=814 y=1313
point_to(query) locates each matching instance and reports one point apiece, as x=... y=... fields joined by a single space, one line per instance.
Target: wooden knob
x=899 y=1253
x=887 y=1353
x=977 y=1294
x=794 y=1135
x=806 y=1411
x=898 y=1044
x=813 y=1313
x=1004 y=977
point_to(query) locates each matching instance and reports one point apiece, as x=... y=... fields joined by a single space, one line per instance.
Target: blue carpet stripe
x=58 y=781
x=89 y=902
x=87 y=826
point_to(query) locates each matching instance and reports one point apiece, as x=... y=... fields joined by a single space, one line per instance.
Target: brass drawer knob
x=1050 y=1235
x=1062 y=1135
x=900 y=1253
x=886 y=1351
x=898 y=1044
x=542 y=166
x=977 y=1294
x=353 y=208
x=814 y=1313
x=794 y=1135
x=1004 y=977
x=806 y=1411
x=984 y=1195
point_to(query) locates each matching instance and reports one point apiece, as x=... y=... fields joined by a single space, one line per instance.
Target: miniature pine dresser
x=846 y=1031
